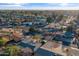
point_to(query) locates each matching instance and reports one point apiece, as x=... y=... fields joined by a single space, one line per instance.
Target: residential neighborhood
x=39 y=32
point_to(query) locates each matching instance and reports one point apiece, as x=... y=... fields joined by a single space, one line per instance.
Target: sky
x=43 y=6
x=40 y=1
x=26 y=4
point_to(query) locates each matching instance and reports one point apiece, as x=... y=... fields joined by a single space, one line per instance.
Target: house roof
x=53 y=47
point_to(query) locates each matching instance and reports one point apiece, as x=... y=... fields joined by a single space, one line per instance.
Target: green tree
x=69 y=28
x=49 y=20
x=32 y=29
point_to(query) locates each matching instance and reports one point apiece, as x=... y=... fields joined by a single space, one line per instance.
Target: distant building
x=40 y=21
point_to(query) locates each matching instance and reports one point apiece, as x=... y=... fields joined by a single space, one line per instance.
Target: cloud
x=69 y=4
x=39 y=6
x=10 y=6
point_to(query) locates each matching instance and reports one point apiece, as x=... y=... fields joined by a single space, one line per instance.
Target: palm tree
x=12 y=50
x=1 y=42
x=36 y=38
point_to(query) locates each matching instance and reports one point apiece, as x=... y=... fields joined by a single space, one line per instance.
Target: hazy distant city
x=39 y=32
